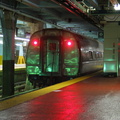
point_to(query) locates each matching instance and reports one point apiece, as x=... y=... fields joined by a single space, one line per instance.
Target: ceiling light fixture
x=117 y=7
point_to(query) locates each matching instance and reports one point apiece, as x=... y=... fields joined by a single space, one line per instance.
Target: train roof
x=70 y=32
x=83 y=36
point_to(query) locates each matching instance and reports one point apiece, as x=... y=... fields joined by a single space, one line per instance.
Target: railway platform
x=90 y=97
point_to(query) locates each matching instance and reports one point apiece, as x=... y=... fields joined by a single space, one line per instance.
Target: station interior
x=96 y=19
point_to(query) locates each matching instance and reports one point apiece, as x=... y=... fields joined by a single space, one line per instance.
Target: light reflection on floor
x=93 y=99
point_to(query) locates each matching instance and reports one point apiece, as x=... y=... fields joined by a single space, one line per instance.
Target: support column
x=8 y=26
x=112 y=36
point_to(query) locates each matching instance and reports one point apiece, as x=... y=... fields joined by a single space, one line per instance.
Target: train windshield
x=51 y=55
x=33 y=55
x=70 y=56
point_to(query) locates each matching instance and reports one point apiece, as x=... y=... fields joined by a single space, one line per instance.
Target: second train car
x=55 y=54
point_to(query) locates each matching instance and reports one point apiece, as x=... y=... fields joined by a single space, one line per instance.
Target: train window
x=90 y=55
x=33 y=55
x=98 y=55
x=33 y=50
x=52 y=46
x=51 y=55
x=94 y=55
x=71 y=56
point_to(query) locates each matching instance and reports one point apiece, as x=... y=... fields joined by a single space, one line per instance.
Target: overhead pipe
x=114 y=2
x=67 y=4
x=4 y=6
x=29 y=3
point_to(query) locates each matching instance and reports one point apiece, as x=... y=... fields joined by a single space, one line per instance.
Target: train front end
x=51 y=54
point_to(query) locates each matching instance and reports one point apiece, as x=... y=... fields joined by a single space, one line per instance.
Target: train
x=54 y=55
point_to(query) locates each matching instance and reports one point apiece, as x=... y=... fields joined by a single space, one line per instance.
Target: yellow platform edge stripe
x=5 y=104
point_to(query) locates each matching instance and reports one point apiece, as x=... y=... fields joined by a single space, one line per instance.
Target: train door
x=51 y=54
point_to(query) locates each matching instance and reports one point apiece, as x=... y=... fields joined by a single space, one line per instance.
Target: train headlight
x=35 y=42
x=69 y=43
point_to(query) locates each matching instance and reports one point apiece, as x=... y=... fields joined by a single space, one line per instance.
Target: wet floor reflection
x=93 y=99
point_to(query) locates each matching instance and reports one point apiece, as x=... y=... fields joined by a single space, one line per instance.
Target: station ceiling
x=82 y=16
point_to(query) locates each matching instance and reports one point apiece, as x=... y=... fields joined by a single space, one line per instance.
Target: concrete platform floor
x=96 y=98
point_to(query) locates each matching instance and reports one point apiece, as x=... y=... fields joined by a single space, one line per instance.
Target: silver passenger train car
x=54 y=54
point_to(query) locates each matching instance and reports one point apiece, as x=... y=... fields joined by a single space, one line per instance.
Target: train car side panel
x=92 y=55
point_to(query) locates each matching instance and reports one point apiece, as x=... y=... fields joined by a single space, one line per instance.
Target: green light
x=33 y=70
x=33 y=59
x=71 y=71
x=49 y=69
x=109 y=67
x=109 y=59
x=73 y=52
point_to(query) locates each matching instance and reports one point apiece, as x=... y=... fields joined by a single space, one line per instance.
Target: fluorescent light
x=18 y=38
x=117 y=7
x=23 y=39
x=18 y=44
x=1 y=42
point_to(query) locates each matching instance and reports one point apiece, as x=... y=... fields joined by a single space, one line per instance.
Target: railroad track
x=19 y=78
x=18 y=87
